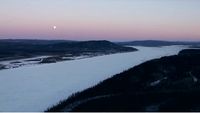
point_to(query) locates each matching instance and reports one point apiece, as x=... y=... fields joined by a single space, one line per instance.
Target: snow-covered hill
x=38 y=87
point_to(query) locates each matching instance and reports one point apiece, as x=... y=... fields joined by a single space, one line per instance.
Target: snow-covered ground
x=22 y=62
x=37 y=87
x=9 y=64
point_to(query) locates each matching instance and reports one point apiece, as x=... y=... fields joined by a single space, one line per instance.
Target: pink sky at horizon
x=114 y=20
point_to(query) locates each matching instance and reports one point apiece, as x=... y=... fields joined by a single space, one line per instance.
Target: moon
x=54 y=27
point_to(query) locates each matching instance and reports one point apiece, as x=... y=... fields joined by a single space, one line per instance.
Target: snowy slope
x=35 y=88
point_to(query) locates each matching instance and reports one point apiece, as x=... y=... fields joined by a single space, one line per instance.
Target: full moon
x=54 y=27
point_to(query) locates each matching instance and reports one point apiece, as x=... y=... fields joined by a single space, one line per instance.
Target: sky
x=115 y=20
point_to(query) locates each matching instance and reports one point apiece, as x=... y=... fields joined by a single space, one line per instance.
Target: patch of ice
x=157 y=82
x=195 y=79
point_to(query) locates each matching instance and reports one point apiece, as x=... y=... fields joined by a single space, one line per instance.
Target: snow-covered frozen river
x=35 y=88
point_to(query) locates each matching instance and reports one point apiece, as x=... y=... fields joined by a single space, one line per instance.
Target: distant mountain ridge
x=28 y=48
x=102 y=45
x=157 y=43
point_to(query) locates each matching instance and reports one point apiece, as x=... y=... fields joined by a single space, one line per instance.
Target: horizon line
x=100 y=40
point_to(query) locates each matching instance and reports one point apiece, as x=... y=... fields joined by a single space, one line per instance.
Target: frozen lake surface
x=35 y=88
